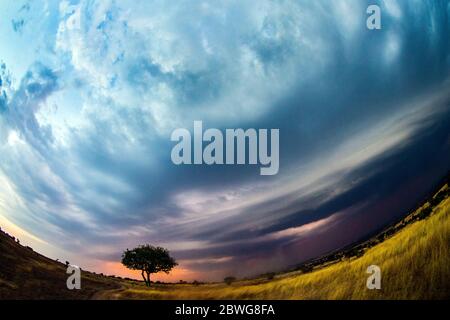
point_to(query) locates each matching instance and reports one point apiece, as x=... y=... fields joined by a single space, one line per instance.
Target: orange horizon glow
x=178 y=273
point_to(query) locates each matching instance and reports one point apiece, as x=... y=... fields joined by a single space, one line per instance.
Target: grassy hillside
x=413 y=255
x=25 y=274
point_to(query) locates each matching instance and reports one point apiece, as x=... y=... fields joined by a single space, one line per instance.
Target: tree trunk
x=145 y=279
x=148 y=279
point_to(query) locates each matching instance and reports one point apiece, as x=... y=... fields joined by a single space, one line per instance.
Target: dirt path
x=112 y=294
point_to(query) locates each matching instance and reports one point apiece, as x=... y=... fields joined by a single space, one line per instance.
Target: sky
x=90 y=92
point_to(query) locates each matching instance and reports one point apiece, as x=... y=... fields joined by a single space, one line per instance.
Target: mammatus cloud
x=85 y=130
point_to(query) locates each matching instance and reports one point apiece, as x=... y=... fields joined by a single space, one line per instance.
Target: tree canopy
x=148 y=259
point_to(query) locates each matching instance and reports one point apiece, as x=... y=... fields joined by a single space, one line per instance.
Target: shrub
x=229 y=280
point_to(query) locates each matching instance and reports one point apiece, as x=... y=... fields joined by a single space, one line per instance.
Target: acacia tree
x=148 y=259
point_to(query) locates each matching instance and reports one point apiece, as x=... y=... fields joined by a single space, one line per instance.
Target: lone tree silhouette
x=148 y=259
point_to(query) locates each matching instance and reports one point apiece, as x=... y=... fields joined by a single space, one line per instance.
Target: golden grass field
x=414 y=262
x=413 y=255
